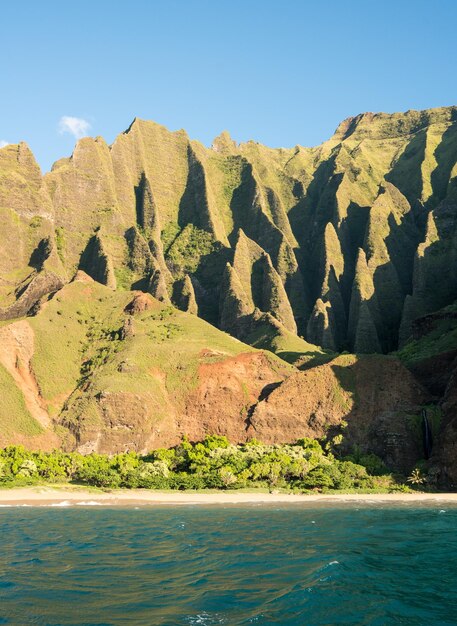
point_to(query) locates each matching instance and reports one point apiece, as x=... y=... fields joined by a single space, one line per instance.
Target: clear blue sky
x=278 y=71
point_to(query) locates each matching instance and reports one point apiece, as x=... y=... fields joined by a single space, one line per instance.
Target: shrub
x=213 y=463
x=373 y=463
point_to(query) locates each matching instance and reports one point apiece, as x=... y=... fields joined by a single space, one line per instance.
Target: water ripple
x=228 y=565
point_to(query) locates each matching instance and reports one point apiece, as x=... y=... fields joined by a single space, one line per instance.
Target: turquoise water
x=228 y=565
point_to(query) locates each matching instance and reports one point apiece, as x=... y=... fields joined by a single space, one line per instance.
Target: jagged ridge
x=344 y=244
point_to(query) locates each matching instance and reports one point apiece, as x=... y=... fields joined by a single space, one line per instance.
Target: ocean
x=259 y=564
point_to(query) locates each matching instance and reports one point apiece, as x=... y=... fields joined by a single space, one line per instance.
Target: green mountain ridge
x=304 y=252
x=158 y=211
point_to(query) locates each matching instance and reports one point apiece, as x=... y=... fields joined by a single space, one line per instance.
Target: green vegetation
x=213 y=463
x=124 y=278
x=36 y=221
x=442 y=337
x=434 y=420
x=169 y=234
x=60 y=242
x=81 y=319
x=184 y=253
x=416 y=478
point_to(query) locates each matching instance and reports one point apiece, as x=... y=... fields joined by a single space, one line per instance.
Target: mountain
x=235 y=252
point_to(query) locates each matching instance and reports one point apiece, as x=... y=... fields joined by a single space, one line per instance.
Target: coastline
x=49 y=496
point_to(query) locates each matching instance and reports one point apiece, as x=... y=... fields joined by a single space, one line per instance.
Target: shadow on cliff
x=194 y=206
x=381 y=406
x=446 y=157
x=406 y=172
x=248 y=215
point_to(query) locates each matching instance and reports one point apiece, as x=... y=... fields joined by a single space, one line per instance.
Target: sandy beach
x=48 y=496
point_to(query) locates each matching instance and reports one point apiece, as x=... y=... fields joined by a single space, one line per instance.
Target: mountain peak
x=224 y=143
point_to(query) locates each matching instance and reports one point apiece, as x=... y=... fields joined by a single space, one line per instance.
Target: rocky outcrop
x=235 y=306
x=30 y=292
x=375 y=396
x=184 y=296
x=364 y=315
x=97 y=263
x=321 y=324
x=141 y=302
x=446 y=448
x=227 y=390
x=125 y=372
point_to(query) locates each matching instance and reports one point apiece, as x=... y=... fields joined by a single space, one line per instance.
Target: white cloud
x=3 y=143
x=73 y=125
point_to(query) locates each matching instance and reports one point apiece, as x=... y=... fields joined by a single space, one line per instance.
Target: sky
x=281 y=72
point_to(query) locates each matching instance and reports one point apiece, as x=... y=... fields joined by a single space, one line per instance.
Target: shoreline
x=49 y=496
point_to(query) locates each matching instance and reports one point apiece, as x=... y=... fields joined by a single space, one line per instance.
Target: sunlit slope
x=110 y=370
x=343 y=244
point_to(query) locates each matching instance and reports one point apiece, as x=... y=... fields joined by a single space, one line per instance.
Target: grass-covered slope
x=120 y=370
x=433 y=334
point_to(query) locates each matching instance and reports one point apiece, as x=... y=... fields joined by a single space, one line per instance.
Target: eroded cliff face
x=305 y=252
x=373 y=401
x=343 y=244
